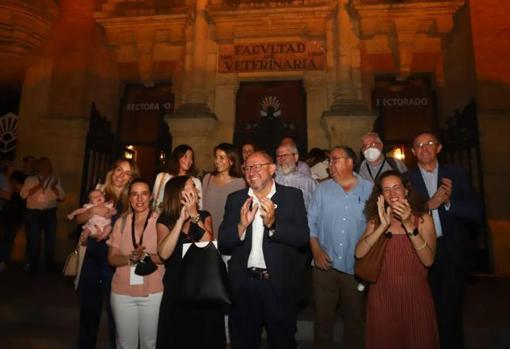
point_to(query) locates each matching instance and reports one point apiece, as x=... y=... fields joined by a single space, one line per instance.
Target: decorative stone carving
x=405 y=28
x=25 y=25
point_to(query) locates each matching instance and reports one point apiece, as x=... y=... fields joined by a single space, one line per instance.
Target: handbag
x=145 y=266
x=72 y=263
x=369 y=267
x=203 y=278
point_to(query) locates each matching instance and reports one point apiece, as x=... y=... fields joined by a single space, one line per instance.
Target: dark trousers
x=331 y=288
x=8 y=229
x=37 y=221
x=256 y=307
x=447 y=283
x=94 y=288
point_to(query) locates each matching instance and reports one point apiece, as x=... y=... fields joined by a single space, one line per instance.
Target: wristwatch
x=413 y=233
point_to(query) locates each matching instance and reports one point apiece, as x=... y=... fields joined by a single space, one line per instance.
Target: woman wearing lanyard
x=137 y=285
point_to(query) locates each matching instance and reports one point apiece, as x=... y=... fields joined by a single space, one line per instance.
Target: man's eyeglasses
x=284 y=155
x=371 y=145
x=256 y=167
x=425 y=144
x=332 y=160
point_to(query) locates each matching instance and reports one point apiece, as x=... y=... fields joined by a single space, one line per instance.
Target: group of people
x=29 y=198
x=273 y=220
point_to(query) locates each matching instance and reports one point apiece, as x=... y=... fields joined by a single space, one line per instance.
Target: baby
x=97 y=226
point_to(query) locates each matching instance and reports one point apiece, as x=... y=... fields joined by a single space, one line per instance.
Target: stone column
x=348 y=117
x=193 y=120
x=71 y=71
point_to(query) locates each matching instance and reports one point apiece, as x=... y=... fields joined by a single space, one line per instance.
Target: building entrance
x=144 y=135
x=267 y=111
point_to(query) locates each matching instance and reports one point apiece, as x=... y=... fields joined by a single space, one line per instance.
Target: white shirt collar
x=269 y=195
x=434 y=170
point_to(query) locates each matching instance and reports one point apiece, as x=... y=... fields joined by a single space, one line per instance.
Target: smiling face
x=139 y=197
x=339 y=163
x=393 y=190
x=221 y=161
x=425 y=148
x=258 y=172
x=121 y=174
x=186 y=161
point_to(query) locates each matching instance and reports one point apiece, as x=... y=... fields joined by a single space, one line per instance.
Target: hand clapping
x=247 y=214
x=384 y=214
x=267 y=212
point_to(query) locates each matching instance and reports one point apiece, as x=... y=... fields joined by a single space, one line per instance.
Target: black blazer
x=464 y=207
x=281 y=251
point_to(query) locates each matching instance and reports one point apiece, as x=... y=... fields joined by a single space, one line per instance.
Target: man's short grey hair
x=371 y=134
x=293 y=149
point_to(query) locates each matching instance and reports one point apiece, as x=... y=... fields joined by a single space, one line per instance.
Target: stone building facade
x=350 y=57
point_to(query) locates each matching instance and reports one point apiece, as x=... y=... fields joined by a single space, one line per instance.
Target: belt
x=258 y=273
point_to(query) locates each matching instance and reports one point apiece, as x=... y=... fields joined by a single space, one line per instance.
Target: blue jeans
x=37 y=221
x=94 y=288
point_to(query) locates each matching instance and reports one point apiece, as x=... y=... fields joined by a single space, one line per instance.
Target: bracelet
x=366 y=242
x=422 y=246
x=195 y=219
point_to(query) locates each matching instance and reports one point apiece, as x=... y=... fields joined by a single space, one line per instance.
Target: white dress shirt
x=256 y=257
x=44 y=198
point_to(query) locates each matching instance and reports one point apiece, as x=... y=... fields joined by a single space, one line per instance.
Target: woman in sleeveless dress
x=400 y=309
x=225 y=179
x=181 y=221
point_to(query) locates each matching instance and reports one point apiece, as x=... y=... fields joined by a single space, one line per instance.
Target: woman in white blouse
x=182 y=163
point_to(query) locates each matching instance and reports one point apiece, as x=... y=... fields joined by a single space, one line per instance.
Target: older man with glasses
x=453 y=205
x=264 y=229
x=376 y=163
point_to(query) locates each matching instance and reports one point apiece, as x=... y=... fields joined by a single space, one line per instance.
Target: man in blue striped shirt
x=336 y=222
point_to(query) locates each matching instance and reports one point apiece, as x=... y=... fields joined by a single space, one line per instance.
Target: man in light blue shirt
x=336 y=222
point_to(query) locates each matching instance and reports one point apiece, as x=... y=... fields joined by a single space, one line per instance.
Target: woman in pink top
x=135 y=298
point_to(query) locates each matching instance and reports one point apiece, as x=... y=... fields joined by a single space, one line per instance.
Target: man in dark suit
x=264 y=229
x=452 y=203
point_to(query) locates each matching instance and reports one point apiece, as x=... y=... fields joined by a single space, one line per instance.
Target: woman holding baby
x=96 y=274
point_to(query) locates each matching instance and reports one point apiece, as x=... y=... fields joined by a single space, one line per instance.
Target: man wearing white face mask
x=376 y=163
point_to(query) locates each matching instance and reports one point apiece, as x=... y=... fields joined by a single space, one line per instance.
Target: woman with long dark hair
x=96 y=274
x=181 y=221
x=181 y=163
x=225 y=179
x=400 y=309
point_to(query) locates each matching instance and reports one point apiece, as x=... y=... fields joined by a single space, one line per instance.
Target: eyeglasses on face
x=334 y=159
x=280 y=156
x=425 y=144
x=256 y=167
x=371 y=145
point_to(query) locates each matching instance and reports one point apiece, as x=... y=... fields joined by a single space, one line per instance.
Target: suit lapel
x=421 y=187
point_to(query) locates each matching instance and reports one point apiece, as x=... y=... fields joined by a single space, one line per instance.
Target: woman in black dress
x=180 y=222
